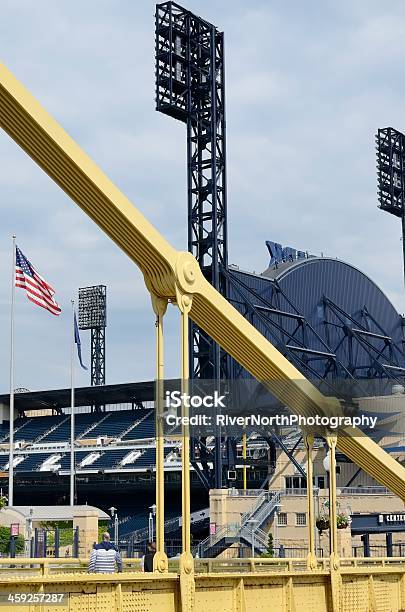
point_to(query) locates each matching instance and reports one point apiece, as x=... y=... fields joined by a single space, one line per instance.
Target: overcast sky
x=308 y=84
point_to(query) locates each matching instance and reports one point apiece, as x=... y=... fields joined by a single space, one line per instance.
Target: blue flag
x=78 y=343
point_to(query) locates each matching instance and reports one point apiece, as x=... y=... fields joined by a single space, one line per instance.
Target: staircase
x=264 y=508
x=263 y=511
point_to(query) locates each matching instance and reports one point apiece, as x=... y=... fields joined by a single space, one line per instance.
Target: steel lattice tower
x=190 y=87
x=391 y=175
x=93 y=316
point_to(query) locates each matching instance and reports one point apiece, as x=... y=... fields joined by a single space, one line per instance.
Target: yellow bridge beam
x=168 y=273
x=240 y=585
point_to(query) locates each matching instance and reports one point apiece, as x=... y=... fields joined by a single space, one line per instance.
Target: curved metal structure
x=326 y=316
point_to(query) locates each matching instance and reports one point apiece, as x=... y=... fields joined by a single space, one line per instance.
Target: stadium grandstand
x=114 y=454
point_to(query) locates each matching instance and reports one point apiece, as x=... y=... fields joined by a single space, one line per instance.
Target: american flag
x=38 y=290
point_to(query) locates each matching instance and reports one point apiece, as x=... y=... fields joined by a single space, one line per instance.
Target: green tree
x=270 y=547
x=102 y=527
x=65 y=532
x=5 y=541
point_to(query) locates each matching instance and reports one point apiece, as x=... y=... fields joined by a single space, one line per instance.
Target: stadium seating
x=62 y=433
x=131 y=521
x=35 y=427
x=147 y=459
x=32 y=462
x=48 y=430
x=87 y=425
x=116 y=423
x=145 y=429
x=108 y=459
x=65 y=461
x=4 y=430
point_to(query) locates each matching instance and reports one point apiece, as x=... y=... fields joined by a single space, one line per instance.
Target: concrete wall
x=346 y=470
x=87 y=522
x=4 y=413
x=227 y=506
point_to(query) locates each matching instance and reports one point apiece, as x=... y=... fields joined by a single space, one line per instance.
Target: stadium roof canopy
x=327 y=317
x=84 y=396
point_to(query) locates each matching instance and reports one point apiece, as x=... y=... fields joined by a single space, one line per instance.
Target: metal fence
x=55 y=543
x=398 y=550
x=294 y=553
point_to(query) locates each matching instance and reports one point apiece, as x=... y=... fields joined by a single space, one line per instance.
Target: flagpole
x=72 y=408
x=11 y=437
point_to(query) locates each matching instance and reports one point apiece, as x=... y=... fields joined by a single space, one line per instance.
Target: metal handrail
x=260 y=499
x=139 y=534
x=44 y=565
x=170 y=525
x=266 y=510
x=364 y=491
x=245 y=492
x=344 y=491
x=260 y=537
x=212 y=539
x=257 y=564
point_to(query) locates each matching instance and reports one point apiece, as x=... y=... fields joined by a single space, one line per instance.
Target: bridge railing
x=31 y=567
x=45 y=566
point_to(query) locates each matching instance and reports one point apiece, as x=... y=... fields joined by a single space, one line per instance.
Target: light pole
x=29 y=533
x=253 y=525
x=276 y=529
x=329 y=463
x=326 y=466
x=114 y=517
x=317 y=538
x=152 y=515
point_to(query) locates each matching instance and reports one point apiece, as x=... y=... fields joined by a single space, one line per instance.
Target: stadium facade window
x=295 y=482
x=282 y=519
x=301 y=519
x=320 y=482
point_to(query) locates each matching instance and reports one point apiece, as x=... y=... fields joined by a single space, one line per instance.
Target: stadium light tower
x=93 y=316
x=391 y=175
x=190 y=87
